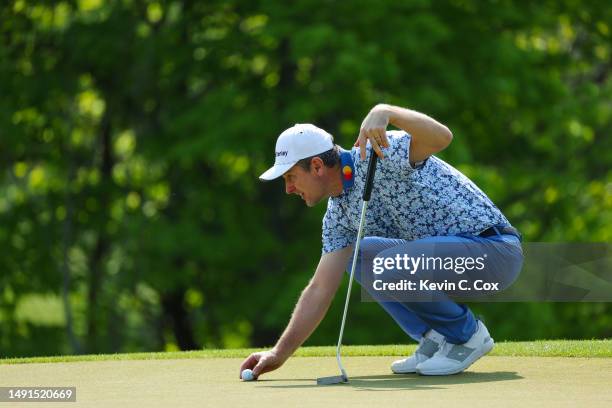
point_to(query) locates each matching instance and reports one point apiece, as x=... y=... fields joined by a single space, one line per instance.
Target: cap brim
x=276 y=171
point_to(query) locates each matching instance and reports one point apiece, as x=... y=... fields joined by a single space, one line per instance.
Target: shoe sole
x=413 y=371
x=471 y=360
x=404 y=372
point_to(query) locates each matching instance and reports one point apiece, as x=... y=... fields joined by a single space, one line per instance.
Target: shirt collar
x=347 y=169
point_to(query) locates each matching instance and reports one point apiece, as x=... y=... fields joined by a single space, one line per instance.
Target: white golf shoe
x=454 y=358
x=428 y=345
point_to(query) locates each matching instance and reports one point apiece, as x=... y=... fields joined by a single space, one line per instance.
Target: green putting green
x=538 y=348
x=213 y=382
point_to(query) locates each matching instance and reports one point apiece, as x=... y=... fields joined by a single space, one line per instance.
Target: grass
x=540 y=348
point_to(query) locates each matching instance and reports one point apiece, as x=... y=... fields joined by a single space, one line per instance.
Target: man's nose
x=289 y=188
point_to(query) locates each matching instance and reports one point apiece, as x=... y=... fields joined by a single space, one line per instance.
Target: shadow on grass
x=391 y=382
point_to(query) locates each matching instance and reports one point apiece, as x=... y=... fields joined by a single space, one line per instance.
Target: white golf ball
x=247 y=375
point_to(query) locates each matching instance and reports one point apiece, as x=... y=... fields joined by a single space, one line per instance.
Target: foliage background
x=132 y=133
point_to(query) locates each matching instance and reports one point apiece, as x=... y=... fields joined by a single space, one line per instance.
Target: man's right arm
x=308 y=313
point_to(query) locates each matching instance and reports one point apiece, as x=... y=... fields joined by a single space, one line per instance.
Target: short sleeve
x=398 y=151
x=336 y=232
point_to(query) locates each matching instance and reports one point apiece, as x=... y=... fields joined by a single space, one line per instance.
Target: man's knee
x=370 y=244
x=366 y=249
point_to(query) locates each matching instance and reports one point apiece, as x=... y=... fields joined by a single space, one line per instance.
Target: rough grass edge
x=539 y=348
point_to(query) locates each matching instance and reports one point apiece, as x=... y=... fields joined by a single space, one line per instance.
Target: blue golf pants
x=454 y=321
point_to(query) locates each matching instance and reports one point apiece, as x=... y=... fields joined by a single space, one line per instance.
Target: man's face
x=308 y=184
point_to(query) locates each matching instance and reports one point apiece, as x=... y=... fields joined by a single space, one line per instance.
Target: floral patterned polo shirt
x=407 y=202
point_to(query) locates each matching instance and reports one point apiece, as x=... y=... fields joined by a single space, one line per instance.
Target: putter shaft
x=348 y=293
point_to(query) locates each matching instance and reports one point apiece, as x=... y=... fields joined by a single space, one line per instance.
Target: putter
x=367 y=191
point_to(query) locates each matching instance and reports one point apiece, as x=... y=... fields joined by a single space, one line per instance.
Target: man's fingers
x=383 y=137
x=372 y=135
x=378 y=139
x=377 y=148
x=362 y=145
x=250 y=362
x=260 y=368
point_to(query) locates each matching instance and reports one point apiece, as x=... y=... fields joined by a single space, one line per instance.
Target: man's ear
x=317 y=165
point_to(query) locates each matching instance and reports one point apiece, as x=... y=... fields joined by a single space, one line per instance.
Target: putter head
x=336 y=379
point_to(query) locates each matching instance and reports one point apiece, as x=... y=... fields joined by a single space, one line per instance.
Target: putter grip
x=367 y=191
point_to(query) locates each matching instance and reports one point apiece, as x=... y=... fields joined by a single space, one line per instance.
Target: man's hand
x=428 y=135
x=374 y=129
x=262 y=362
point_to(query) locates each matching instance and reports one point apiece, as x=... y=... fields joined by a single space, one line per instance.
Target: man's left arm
x=428 y=135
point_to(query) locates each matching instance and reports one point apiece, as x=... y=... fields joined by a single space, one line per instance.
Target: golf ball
x=247 y=375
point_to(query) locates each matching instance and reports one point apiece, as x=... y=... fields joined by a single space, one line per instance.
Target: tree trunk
x=67 y=238
x=173 y=304
x=96 y=261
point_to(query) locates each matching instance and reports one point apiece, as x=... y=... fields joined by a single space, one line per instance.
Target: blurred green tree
x=132 y=134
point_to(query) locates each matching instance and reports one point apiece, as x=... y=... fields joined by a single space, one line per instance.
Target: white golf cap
x=296 y=143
